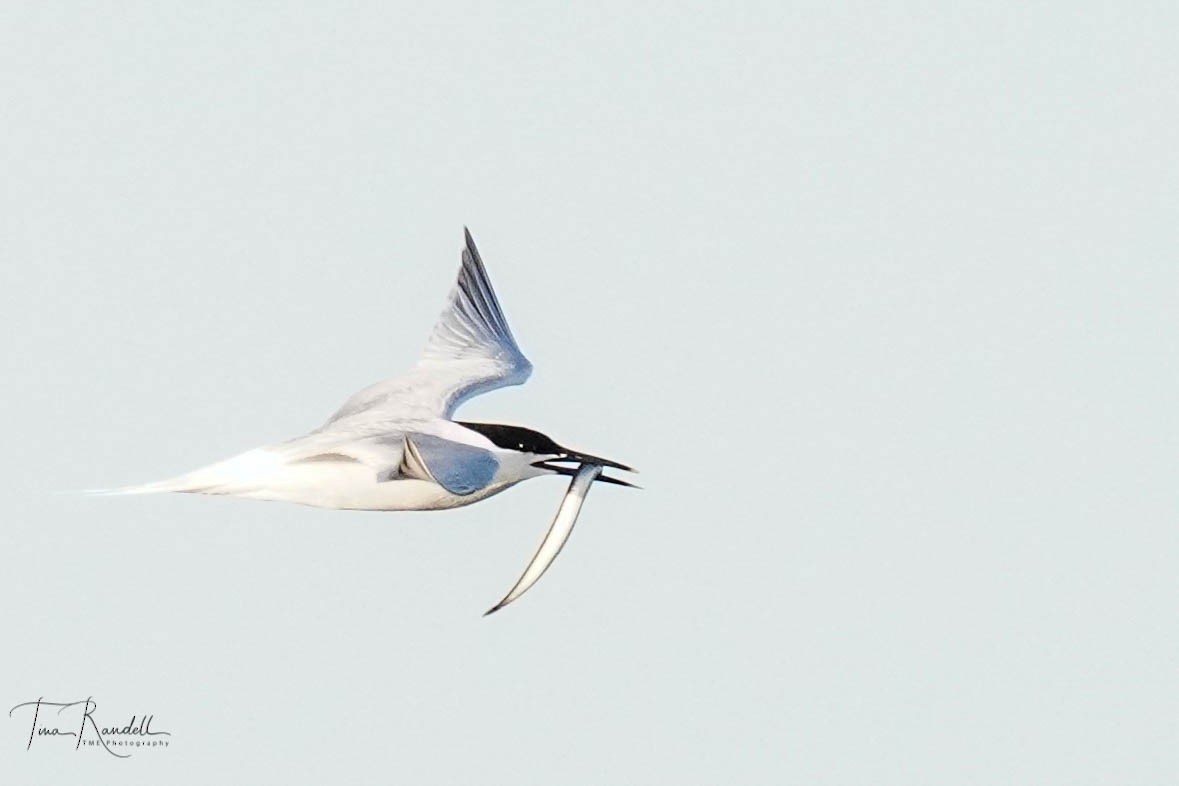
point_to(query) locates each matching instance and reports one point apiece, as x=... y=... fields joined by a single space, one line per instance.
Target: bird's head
x=542 y=452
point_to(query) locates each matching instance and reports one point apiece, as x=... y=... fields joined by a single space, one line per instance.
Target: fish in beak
x=582 y=460
x=590 y=469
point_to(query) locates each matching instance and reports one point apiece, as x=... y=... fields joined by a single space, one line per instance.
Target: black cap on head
x=528 y=441
x=516 y=438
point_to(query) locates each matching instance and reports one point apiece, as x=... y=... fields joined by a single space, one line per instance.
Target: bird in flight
x=396 y=446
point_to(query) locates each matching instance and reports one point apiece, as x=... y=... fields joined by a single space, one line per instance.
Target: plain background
x=881 y=298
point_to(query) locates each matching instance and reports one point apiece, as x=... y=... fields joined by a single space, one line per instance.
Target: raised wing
x=470 y=351
x=472 y=346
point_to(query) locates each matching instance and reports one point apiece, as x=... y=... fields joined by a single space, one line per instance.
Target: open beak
x=581 y=459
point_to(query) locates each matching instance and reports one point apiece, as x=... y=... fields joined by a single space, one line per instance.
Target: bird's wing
x=458 y=468
x=472 y=346
x=470 y=351
x=384 y=453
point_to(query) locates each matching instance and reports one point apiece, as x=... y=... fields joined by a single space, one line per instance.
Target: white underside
x=339 y=484
x=407 y=494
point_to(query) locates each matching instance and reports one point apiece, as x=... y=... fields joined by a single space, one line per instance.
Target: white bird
x=395 y=444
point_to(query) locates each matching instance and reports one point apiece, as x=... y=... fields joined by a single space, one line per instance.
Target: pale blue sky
x=880 y=297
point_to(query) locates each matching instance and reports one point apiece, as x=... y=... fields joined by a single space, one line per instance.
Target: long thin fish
x=558 y=533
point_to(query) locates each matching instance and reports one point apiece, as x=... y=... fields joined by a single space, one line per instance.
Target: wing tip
x=469 y=247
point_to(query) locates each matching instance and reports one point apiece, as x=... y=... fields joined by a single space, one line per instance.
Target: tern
x=395 y=445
